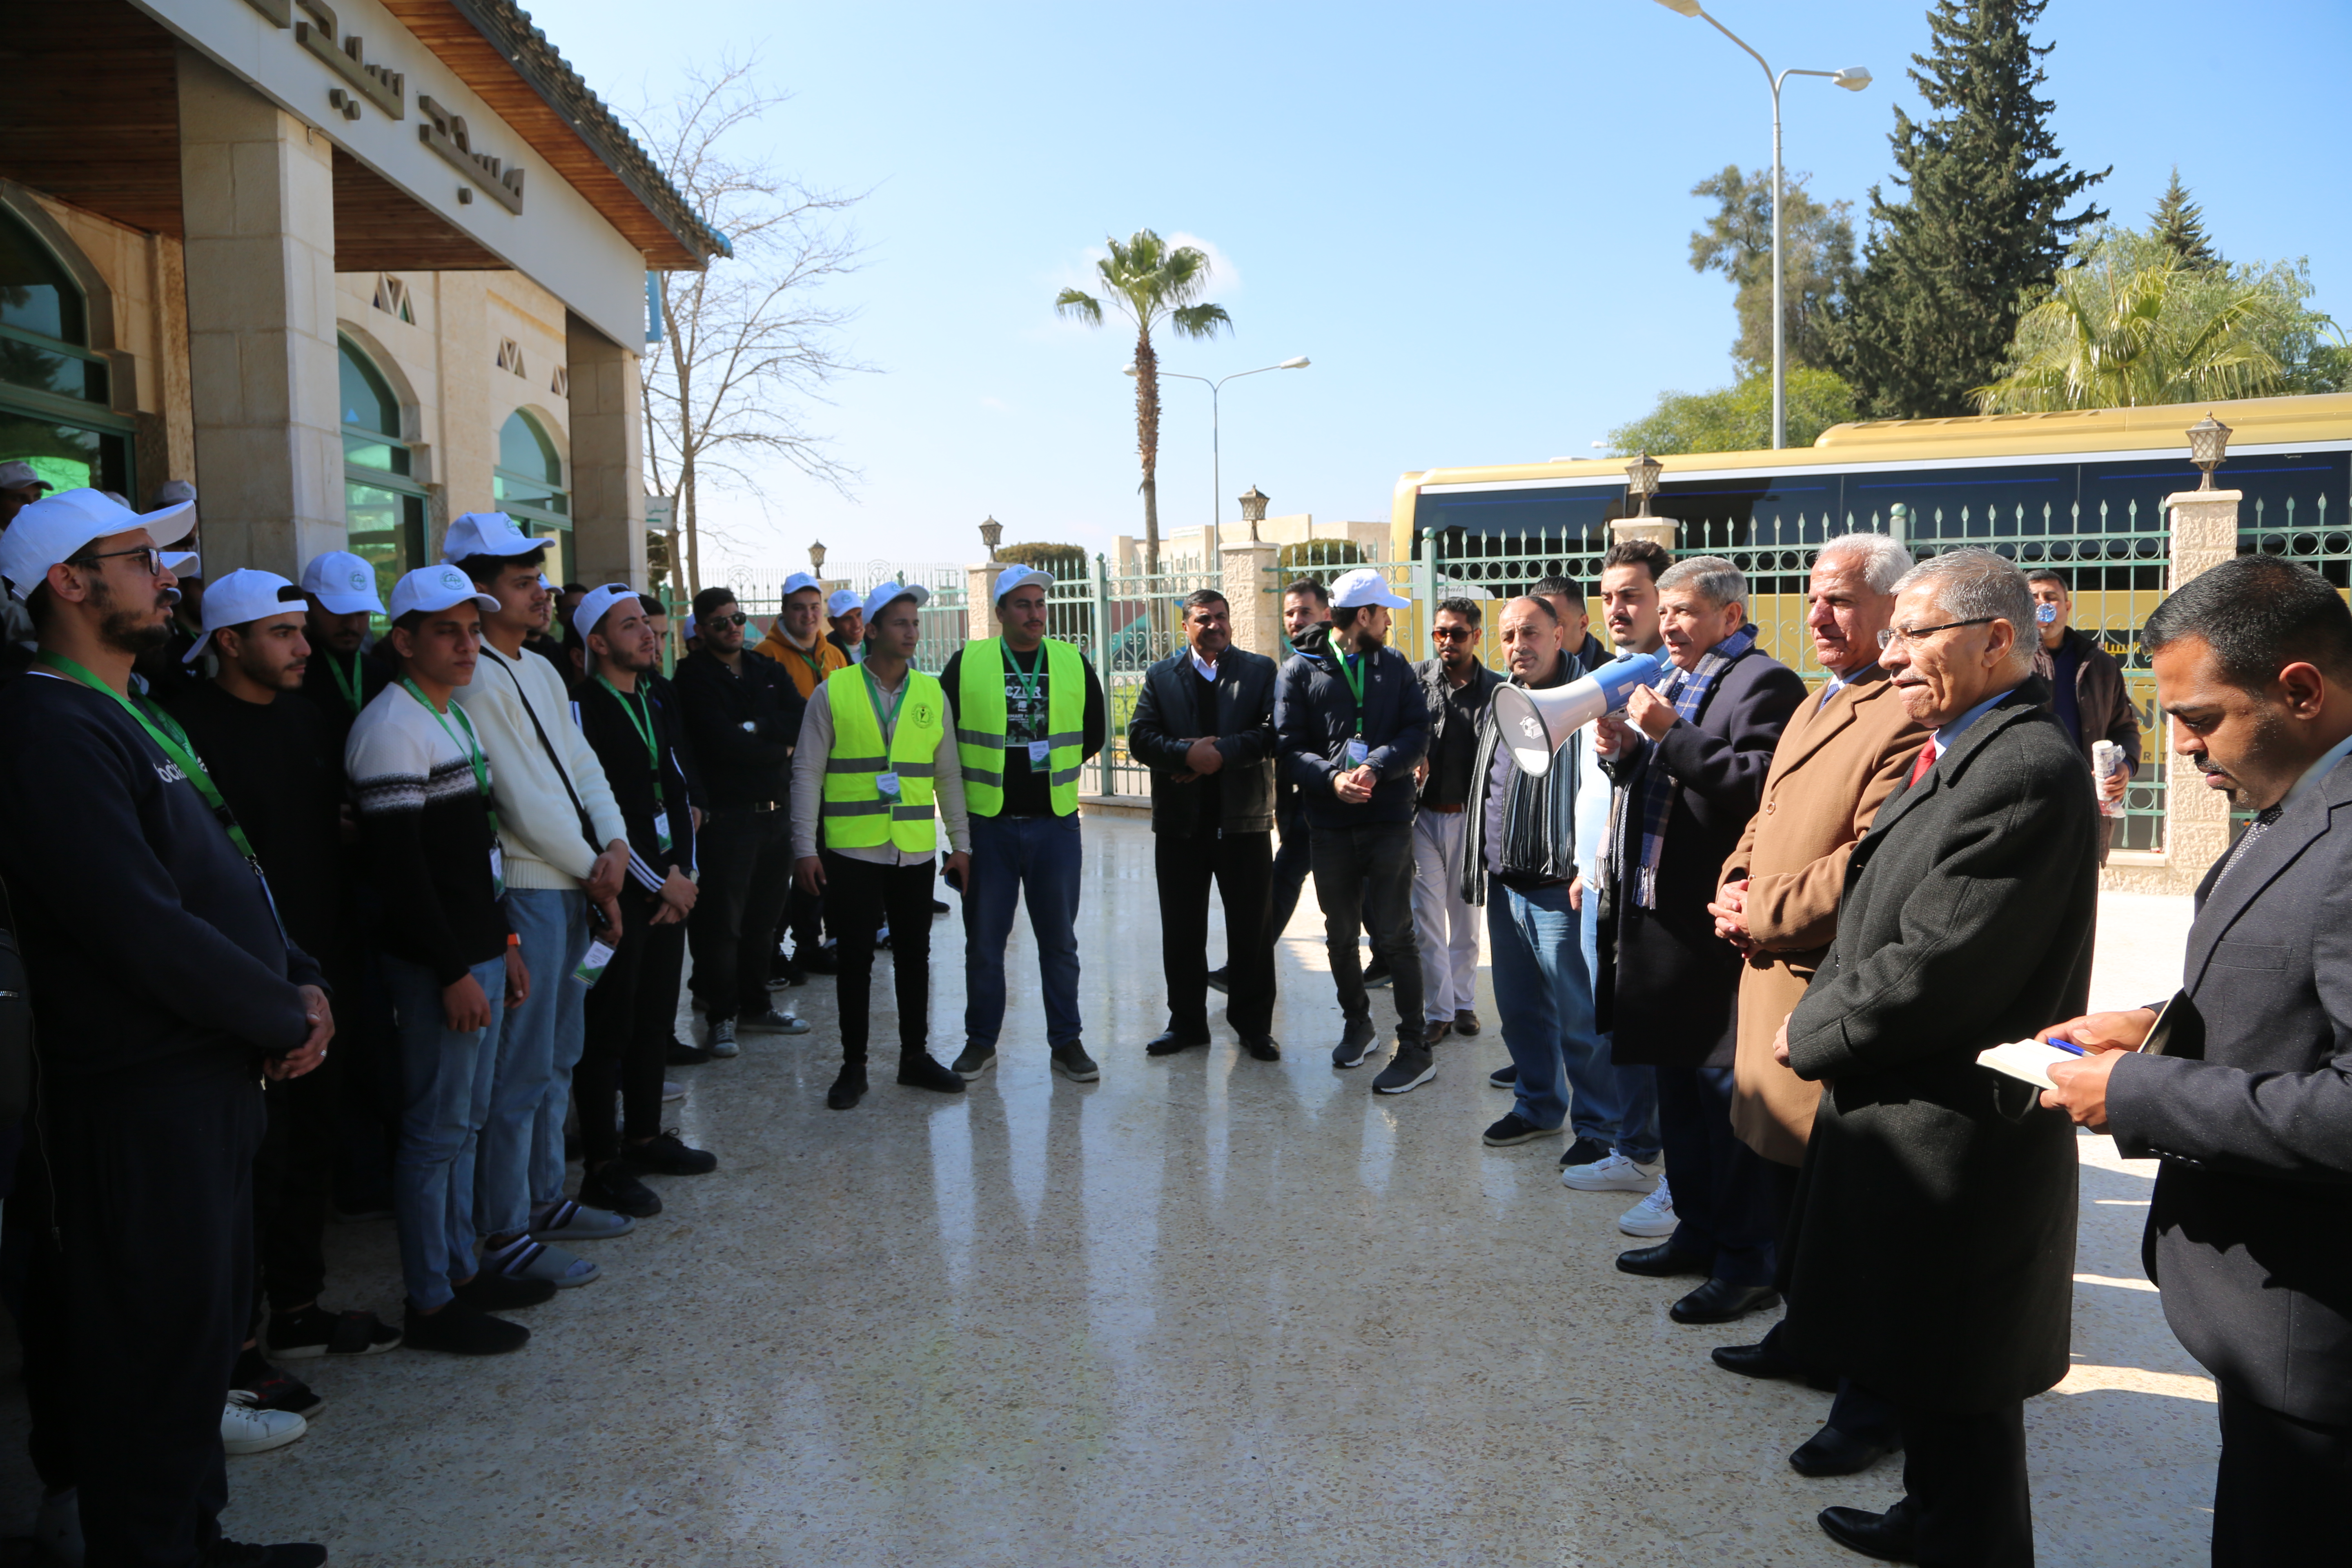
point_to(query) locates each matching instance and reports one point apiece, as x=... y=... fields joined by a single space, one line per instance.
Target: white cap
x=19 y=476
x=597 y=602
x=431 y=588
x=487 y=534
x=243 y=595
x=174 y=490
x=1013 y=577
x=58 y=526
x=342 y=583
x=184 y=564
x=844 y=600
x=889 y=594
x=1363 y=586
x=796 y=581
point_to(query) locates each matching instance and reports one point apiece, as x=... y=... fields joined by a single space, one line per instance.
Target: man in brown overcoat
x=1842 y=755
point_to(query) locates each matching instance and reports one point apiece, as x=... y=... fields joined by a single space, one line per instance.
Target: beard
x=135 y=632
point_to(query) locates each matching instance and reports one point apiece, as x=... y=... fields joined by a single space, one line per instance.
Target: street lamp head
x=1642 y=477
x=1853 y=79
x=1131 y=369
x=1301 y=363
x=1683 y=7
x=989 y=532
x=817 y=557
x=2209 y=447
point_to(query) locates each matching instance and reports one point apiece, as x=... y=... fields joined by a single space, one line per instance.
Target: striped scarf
x=1651 y=792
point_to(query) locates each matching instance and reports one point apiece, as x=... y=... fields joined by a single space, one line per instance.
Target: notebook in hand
x=2178 y=1031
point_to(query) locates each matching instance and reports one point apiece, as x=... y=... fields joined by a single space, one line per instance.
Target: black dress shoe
x=1721 y=1301
x=923 y=1070
x=1660 y=1262
x=1885 y=1536
x=847 y=1090
x=1169 y=1041
x=1265 y=1047
x=1830 y=1452
x=1765 y=1359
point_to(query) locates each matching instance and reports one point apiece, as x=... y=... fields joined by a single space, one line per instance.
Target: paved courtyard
x=1208 y=1310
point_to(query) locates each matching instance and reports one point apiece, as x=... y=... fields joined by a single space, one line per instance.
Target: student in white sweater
x=566 y=849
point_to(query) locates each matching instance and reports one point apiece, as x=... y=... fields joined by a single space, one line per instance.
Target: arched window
x=528 y=485
x=383 y=508
x=56 y=395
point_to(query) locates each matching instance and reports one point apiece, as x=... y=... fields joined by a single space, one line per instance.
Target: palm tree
x=1150 y=282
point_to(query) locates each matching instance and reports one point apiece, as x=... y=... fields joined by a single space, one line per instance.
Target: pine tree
x=2180 y=223
x=1981 y=233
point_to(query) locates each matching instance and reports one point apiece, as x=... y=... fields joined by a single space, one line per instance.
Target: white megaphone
x=1536 y=724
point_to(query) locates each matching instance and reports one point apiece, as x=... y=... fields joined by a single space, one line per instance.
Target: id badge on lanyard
x=1357 y=750
x=498 y=872
x=1040 y=753
x=888 y=784
x=592 y=966
x=661 y=829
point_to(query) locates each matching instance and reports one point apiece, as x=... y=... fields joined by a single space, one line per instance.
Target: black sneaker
x=1584 y=1151
x=613 y=1185
x=1505 y=1077
x=1411 y=1067
x=1073 y=1063
x=493 y=1292
x=1353 y=1044
x=682 y=1055
x=227 y=1553
x=847 y=1089
x=783 y=971
x=276 y=1389
x=1515 y=1129
x=667 y=1155
x=1264 y=1048
x=1218 y=979
x=924 y=1071
x=459 y=1329
x=315 y=1332
x=1377 y=973
x=817 y=961
x=975 y=1060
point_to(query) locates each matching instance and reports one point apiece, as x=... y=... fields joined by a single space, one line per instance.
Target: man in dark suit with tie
x=1203 y=724
x=2247 y=1233
x=1931 y=1255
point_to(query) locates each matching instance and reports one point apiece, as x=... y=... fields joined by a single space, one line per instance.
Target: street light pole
x=1853 y=79
x=1217 y=457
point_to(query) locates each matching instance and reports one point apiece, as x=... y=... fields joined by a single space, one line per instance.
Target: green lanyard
x=172 y=742
x=1354 y=677
x=349 y=685
x=644 y=729
x=887 y=714
x=472 y=747
x=1029 y=678
x=816 y=666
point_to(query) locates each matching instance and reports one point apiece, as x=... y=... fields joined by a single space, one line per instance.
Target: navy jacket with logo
x=1315 y=717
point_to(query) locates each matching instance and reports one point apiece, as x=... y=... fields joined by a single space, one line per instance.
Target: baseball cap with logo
x=431 y=588
x=1013 y=577
x=844 y=600
x=487 y=534
x=58 y=526
x=184 y=564
x=889 y=594
x=342 y=582
x=798 y=581
x=241 y=597
x=19 y=476
x=1363 y=586
x=597 y=603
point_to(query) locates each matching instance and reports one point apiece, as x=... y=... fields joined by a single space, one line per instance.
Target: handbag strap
x=587 y=822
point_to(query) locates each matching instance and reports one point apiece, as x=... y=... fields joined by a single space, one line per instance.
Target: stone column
x=608 y=485
x=2196 y=818
x=980 y=600
x=1661 y=532
x=1253 y=596
x=258 y=198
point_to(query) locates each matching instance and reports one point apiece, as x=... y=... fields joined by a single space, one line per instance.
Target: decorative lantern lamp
x=816 y=558
x=989 y=532
x=1642 y=478
x=1253 y=510
x=2209 y=447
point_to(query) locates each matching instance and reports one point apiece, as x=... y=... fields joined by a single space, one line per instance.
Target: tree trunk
x=686 y=518
x=1147 y=441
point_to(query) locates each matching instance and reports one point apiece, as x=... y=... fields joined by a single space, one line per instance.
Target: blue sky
x=1474 y=217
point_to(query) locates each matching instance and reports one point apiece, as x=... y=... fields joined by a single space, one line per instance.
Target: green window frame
x=383 y=505
x=528 y=484
x=57 y=407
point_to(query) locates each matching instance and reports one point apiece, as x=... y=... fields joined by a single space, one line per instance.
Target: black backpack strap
x=587 y=822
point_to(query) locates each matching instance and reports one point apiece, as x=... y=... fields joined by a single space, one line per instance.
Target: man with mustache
x=164 y=992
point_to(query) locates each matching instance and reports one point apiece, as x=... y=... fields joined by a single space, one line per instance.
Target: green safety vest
x=856 y=813
x=980 y=723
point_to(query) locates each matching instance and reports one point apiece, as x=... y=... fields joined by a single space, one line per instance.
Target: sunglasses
x=715 y=622
x=1452 y=634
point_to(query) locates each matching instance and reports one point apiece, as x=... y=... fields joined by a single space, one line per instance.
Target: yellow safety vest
x=981 y=722
x=856 y=813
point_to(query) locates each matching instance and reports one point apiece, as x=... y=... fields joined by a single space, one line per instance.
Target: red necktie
x=1926 y=760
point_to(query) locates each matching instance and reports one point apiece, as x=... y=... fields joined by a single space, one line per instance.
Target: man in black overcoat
x=1931 y=1252
x=1687 y=765
x=1203 y=724
x=2247 y=1234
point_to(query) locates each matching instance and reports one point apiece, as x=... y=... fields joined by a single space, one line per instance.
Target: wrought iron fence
x=1143 y=617
x=759 y=592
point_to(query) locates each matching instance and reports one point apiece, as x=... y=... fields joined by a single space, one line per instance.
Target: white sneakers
x=247 y=1430
x=1614 y=1173
x=1653 y=1216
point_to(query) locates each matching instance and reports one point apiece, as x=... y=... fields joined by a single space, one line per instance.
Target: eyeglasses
x=1888 y=637
x=1451 y=634
x=715 y=622
x=147 y=555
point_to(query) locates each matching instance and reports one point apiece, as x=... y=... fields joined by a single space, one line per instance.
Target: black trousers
x=1724 y=1199
x=1241 y=867
x=366 y=1053
x=862 y=895
x=628 y=1018
x=1964 y=1486
x=293 y=1179
x=2280 y=1497
x=135 y=1307
x=1292 y=862
x=747 y=874
x=1363 y=878
x=1856 y=1411
x=803 y=917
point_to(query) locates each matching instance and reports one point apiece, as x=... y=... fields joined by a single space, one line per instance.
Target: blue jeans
x=1542 y=992
x=523 y=1145
x=1616 y=1106
x=1037 y=860
x=444 y=1078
